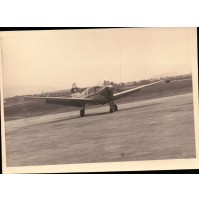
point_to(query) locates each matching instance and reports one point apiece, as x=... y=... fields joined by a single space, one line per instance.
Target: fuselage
x=99 y=94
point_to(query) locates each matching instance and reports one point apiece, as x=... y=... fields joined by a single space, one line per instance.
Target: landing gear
x=82 y=111
x=113 y=107
x=111 y=110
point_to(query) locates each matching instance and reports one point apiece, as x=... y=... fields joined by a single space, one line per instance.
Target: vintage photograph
x=107 y=99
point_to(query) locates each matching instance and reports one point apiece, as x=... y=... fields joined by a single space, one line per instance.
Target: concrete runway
x=155 y=129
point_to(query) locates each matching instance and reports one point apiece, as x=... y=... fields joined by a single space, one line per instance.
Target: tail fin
x=75 y=91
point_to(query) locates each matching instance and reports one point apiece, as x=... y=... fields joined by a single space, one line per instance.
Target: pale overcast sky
x=52 y=60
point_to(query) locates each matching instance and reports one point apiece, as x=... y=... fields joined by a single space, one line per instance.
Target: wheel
x=111 y=110
x=115 y=107
x=82 y=113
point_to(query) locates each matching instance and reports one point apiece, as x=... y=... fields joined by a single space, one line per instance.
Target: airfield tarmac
x=161 y=128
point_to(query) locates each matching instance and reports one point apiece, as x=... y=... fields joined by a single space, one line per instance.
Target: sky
x=36 y=61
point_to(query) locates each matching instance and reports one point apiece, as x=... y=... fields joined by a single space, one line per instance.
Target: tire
x=111 y=110
x=82 y=113
x=115 y=108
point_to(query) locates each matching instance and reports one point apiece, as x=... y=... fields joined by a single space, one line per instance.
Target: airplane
x=95 y=95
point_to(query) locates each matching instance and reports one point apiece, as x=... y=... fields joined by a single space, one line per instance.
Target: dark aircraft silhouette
x=96 y=95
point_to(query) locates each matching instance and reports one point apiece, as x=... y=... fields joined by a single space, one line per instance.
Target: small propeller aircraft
x=96 y=95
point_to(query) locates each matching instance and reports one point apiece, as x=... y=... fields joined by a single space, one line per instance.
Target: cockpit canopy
x=91 y=90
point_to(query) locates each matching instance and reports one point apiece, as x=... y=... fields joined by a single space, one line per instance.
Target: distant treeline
x=106 y=82
x=146 y=81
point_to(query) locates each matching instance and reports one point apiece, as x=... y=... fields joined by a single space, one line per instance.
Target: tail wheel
x=111 y=110
x=115 y=107
x=82 y=113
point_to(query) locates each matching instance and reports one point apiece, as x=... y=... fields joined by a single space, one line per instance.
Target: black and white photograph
x=97 y=100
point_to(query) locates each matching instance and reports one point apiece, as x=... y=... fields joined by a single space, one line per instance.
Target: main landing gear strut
x=113 y=107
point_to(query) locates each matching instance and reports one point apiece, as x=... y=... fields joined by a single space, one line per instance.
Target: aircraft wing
x=133 y=90
x=62 y=100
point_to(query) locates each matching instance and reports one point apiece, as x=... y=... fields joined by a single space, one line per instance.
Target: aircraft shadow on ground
x=98 y=114
x=77 y=117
